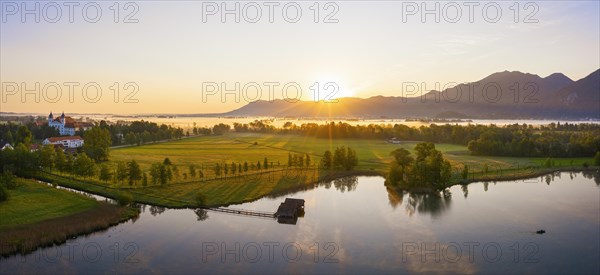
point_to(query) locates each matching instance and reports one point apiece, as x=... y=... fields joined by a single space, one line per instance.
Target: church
x=66 y=125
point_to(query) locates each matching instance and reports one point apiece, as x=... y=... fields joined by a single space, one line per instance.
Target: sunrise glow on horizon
x=170 y=52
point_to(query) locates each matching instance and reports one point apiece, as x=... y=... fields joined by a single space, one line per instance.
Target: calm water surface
x=354 y=225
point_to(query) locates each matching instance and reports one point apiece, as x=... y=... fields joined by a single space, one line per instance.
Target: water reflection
x=433 y=203
x=346 y=184
x=592 y=174
x=369 y=232
x=157 y=210
x=201 y=214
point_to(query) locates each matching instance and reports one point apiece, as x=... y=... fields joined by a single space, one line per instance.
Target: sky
x=187 y=56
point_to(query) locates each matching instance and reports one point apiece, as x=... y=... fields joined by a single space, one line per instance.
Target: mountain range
x=500 y=95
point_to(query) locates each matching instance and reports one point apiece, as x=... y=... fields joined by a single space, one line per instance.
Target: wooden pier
x=287 y=212
x=244 y=212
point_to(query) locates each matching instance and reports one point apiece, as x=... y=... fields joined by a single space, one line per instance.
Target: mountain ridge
x=506 y=94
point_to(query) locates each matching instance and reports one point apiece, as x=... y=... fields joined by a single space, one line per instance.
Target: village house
x=5 y=145
x=66 y=142
x=393 y=141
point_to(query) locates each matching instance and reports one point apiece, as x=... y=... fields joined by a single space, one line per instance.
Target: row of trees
x=299 y=160
x=139 y=132
x=26 y=132
x=239 y=168
x=342 y=159
x=506 y=142
x=553 y=140
x=427 y=169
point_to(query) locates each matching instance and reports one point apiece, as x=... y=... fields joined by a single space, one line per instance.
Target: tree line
x=519 y=140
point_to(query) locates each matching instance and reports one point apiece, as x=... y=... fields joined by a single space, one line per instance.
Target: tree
x=339 y=157
x=167 y=161
x=3 y=193
x=105 y=174
x=23 y=136
x=245 y=166
x=84 y=166
x=221 y=128
x=403 y=160
x=121 y=173
x=160 y=173
x=134 y=172
x=174 y=171
x=217 y=170
x=60 y=161
x=155 y=173
x=597 y=159
x=327 y=161
x=70 y=160
x=258 y=165
x=402 y=157
x=131 y=138
x=7 y=179
x=233 y=168
x=266 y=163
x=47 y=156
x=144 y=179
x=307 y=159
x=192 y=171
x=96 y=143
x=465 y=172
x=289 y=159
x=351 y=159
x=8 y=137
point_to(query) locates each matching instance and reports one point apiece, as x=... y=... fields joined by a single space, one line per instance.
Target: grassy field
x=373 y=155
x=37 y=215
x=204 y=152
x=32 y=202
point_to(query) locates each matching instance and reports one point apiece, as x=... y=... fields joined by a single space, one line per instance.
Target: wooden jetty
x=244 y=212
x=287 y=212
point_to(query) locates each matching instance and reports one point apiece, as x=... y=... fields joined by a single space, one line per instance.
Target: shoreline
x=498 y=178
x=174 y=203
x=25 y=239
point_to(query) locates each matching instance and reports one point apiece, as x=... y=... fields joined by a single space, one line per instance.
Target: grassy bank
x=39 y=215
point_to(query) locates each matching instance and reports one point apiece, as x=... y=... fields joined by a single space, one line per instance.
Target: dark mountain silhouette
x=581 y=98
x=499 y=95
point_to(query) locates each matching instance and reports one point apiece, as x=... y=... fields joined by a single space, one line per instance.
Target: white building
x=66 y=142
x=64 y=128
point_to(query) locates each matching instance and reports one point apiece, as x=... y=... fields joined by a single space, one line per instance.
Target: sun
x=331 y=87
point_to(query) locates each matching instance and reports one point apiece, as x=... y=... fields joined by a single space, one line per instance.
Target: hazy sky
x=373 y=48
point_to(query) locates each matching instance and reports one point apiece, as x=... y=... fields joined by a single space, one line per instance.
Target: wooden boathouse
x=290 y=208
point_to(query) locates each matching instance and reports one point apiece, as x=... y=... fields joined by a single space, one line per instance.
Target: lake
x=187 y=122
x=354 y=225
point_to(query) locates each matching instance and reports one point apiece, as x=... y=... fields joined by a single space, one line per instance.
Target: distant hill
x=581 y=98
x=499 y=95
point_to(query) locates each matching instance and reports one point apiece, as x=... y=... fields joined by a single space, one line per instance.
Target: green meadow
x=39 y=215
x=32 y=202
x=373 y=155
x=204 y=152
